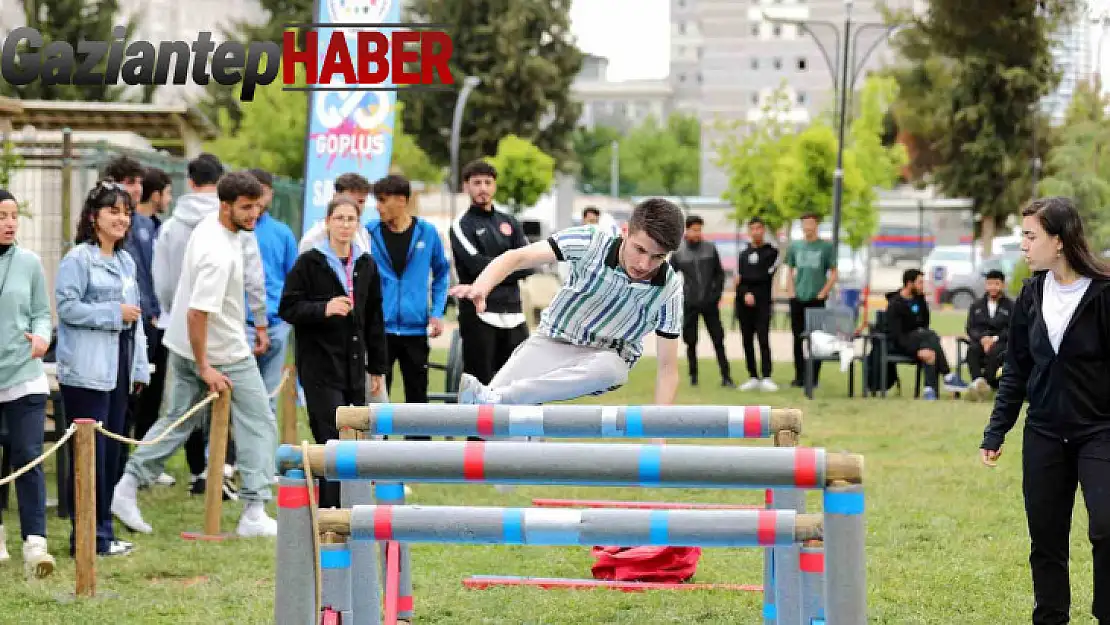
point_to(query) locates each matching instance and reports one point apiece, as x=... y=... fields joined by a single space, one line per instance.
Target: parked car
x=900 y=243
x=962 y=289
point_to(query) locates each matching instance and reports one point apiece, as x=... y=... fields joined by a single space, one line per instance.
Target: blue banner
x=348 y=131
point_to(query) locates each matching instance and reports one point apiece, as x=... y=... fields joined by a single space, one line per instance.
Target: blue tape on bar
x=526 y=428
x=346 y=467
x=512 y=532
x=390 y=492
x=335 y=558
x=294 y=474
x=770 y=612
x=383 y=419
x=659 y=527
x=843 y=503
x=650 y=464
x=634 y=421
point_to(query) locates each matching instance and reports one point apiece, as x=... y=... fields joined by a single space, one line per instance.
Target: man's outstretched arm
x=529 y=257
x=666 y=378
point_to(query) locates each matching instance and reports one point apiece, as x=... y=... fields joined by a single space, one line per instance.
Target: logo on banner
x=348 y=11
x=506 y=229
x=355 y=124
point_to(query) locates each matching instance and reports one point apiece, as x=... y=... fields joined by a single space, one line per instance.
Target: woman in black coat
x=1057 y=358
x=333 y=300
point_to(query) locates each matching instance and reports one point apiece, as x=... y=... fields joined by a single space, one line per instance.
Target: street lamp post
x=469 y=84
x=845 y=46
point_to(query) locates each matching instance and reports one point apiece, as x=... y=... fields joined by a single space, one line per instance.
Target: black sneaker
x=199 y=484
x=728 y=383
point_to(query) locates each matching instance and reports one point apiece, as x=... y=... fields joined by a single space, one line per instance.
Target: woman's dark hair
x=1060 y=217
x=105 y=194
x=342 y=199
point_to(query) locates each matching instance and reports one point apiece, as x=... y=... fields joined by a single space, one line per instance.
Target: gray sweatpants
x=253 y=425
x=543 y=370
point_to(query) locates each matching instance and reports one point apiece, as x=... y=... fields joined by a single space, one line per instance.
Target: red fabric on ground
x=645 y=564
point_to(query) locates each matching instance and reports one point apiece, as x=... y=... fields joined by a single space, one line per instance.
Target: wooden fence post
x=84 y=466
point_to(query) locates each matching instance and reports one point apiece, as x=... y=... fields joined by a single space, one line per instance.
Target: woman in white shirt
x=1058 y=358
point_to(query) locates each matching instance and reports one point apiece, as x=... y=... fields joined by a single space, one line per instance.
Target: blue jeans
x=25 y=418
x=270 y=364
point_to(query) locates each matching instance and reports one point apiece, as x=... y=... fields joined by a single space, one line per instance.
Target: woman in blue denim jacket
x=101 y=348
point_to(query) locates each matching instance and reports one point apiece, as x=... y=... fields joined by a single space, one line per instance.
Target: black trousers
x=321 y=402
x=712 y=316
x=144 y=407
x=924 y=338
x=1052 y=467
x=486 y=348
x=755 y=321
x=983 y=364
x=412 y=354
x=797 y=327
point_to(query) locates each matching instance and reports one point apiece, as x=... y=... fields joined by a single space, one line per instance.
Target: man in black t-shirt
x=410 y=255
x=755 y=273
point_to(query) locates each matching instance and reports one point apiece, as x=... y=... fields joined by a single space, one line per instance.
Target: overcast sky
x=633 y=34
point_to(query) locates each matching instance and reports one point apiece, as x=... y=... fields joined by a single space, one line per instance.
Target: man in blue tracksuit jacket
x=410 y=256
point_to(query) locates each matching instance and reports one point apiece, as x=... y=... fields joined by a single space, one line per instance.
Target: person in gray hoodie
x=169 y=251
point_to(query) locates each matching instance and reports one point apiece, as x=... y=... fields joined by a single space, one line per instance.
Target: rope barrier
x=312 y=510
x=46 y=454
x=185 y=417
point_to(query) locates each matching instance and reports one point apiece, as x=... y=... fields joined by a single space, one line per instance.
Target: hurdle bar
x=578 y=464
x=483 y=582
x=541 y=502
x=570 y=421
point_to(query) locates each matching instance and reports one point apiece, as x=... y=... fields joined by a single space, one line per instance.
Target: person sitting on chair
x=908 y=327
x=988 y=321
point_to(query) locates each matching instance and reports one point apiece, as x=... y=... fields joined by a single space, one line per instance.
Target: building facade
x=622 y=104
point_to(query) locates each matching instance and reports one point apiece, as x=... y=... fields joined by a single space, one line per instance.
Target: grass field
x=946 y=539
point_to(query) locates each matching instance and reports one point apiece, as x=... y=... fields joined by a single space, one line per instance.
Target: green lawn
x=946 y=539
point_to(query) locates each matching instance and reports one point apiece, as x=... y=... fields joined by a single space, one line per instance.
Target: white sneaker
x=751 y=385
x=471 y=391
x=408 y=490
x=165 y=479
x=37 y=561
x=125 y=505
x=768 y=385
x=4 y=557
x=255 y=522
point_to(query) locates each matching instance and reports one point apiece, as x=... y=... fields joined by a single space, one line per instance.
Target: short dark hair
x=811 y=215
x=237 y=184
x=107 y=192
x=393 y=185
x=154 y=181
x=478 y=168
x=995 y=274
x=352 y=182
x=262 y=176
x=591 y=209
x=910 y=275
x=123 y=167
x=694 y=220
x=205 y=169
x=661 y=220
x=756 y=220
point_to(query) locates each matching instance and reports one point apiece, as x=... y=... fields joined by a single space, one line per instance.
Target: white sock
x=253 y=509
x=128 y=486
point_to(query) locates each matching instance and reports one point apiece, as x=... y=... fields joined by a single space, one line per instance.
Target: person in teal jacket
x=24 y=387
x=415 y=275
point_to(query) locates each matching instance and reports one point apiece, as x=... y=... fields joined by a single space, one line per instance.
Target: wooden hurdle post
x=84 y=466
x=287 y=408
x=214 y=483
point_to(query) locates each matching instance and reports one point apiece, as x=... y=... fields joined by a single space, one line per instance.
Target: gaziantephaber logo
x=353 y=57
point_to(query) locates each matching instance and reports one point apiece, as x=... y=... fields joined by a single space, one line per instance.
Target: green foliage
x=524 y=53
x=271 y=133
x=1079 y=165
x=593 y=151
x=73 y=21
x=10 y=162
x=748 y=155
x=662 y=159
x=970 y=81
x=408 y=159
x=524 y=173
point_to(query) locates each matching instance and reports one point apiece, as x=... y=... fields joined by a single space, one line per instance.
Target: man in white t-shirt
x=208 y=352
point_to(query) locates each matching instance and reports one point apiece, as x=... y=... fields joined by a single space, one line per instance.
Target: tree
x=408 y=159
x=748 y=155
x=662 y=159
x=593 y=150
x=1079 y=165
x=72 y=21
x=271 y=135
x=971 y=80
x=524 y=53
x=524 y=172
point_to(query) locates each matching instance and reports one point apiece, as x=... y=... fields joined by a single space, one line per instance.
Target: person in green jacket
x=25 y=328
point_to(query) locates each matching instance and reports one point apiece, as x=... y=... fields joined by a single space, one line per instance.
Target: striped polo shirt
x=598 y=305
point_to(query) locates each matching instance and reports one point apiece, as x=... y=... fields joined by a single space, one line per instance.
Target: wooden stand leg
x=214 y=484
x=85 y=524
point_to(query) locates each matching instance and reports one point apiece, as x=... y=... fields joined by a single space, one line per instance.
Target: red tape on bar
x=753 y=424
x=805 y=467
x=294 y=496
x=769 y=498
x=485 y=420
x=813 y=562
x=392 y=582
x=474 y=460
x=383 y=523
x=765 y=528
x=404 y=604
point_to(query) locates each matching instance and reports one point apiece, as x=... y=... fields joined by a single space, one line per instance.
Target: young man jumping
x=618 y=290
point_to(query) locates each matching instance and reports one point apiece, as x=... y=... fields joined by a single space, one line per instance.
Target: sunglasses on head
x=105 y=188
